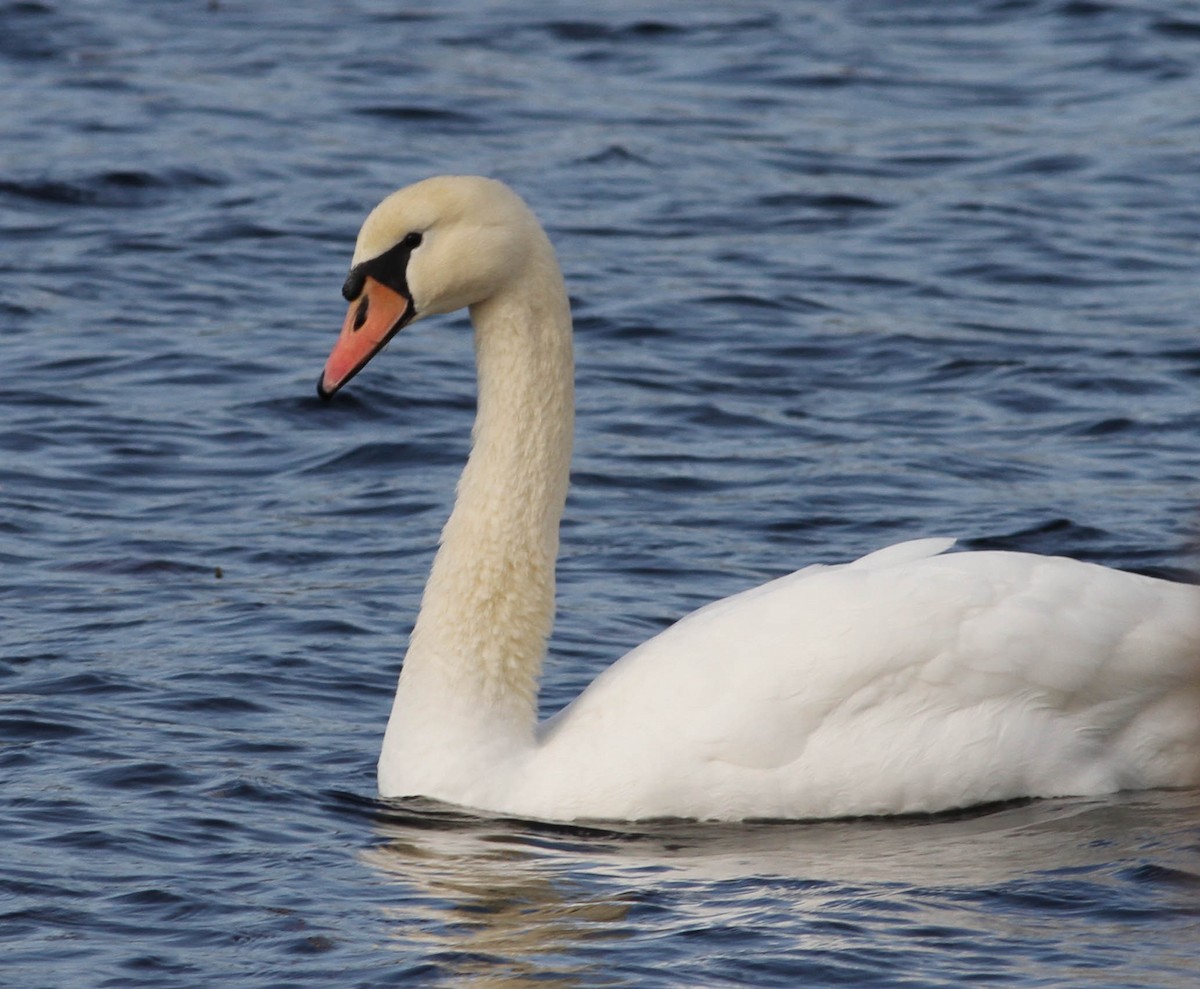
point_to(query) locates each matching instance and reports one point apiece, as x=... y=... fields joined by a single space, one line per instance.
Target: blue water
x=844 y=273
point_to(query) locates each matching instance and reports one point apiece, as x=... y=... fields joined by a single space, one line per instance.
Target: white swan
x=907 y=681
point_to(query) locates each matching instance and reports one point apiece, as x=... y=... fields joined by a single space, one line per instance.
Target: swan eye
x=412 y=240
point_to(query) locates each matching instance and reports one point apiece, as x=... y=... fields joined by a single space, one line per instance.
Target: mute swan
x=911 y=680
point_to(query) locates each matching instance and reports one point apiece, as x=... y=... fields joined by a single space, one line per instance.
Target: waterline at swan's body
x=911 y=680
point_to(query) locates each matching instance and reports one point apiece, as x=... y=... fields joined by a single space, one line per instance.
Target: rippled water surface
x=844 y=273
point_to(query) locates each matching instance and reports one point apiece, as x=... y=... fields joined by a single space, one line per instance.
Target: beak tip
x=323 y=393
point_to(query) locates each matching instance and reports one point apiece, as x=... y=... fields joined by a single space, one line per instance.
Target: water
x=844 y=273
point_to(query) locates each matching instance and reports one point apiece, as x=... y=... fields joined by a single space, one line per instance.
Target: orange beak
x=377 y=315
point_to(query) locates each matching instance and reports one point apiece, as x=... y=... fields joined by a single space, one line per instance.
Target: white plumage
x=913 y=679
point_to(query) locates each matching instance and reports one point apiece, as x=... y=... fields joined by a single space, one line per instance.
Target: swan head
x=439 y=245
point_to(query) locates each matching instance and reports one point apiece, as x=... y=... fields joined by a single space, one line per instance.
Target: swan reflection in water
x=498 y=902
x=492 y=903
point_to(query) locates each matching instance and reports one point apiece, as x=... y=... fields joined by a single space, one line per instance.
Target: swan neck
x=488 y=608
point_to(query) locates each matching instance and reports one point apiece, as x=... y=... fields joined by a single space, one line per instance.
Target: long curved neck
x=475 y=656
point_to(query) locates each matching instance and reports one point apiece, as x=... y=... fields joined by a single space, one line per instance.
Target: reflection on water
x=488 y=905
x=491 y=901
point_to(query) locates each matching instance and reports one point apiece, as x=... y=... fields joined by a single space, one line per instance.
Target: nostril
x=360 y=317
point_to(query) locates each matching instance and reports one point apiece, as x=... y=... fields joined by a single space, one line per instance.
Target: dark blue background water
x=844 y=273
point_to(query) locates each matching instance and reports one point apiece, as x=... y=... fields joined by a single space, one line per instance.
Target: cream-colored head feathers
x=477 y=236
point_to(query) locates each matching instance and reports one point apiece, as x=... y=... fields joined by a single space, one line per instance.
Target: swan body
x=911 y=680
